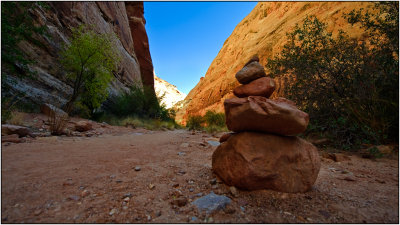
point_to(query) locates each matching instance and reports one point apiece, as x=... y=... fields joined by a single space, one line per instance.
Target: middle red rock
x=256 y=113
x=264 y=86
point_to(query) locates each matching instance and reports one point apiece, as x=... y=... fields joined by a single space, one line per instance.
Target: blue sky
x=185 y=37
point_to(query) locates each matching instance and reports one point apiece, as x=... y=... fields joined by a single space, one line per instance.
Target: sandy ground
x=93 y=180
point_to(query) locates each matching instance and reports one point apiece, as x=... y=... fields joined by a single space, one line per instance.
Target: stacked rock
x=263 y=153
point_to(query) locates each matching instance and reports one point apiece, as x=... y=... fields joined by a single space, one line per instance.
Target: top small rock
x=250 y=72
x=254 y=58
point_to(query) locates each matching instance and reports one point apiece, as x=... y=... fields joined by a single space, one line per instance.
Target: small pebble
x=118 y=181
x=151 y=186
x=233 y=190
x=113 y=211
x=128 y=195
x=148 y=218
x=85 y=193
x=126 y=199
x=137 y=168
x=113 y=176
x=181 y=172
x=74 y=197
x=37 y=212
x=175 y=185
x=158 y=213
x=191 y=189
x=213 y=181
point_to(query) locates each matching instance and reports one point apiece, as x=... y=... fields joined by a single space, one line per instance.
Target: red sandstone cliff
x=262 y=32
x=135 y=12
x=51 y=85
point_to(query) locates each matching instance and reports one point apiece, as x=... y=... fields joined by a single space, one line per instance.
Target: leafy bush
x=135 y=122
x=211 y=122
x=195 y=122
x=348 y=87
x=138 y=102
x=214 y=119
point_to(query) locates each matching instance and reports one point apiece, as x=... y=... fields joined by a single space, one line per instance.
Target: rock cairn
x=263 y=152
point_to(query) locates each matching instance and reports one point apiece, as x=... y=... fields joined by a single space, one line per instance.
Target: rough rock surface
x=14 y=138
x=263 y=86
x=256 y=113
x=49 y=109
x=51 y=85
x=225 y=137
x=211 y=203
x=135 y=13
x=83 y=126
x=250 y=72
x=253 y=161
x=7 y=129
x=262 y=33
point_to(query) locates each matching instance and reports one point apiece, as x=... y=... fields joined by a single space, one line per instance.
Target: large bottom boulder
x=253 y=161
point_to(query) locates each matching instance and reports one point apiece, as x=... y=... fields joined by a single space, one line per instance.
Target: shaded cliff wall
x=262 y=32
x=51 y=85
x=135 y=13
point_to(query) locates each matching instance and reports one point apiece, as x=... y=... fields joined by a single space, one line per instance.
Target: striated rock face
x=255 y=161
x=51 y=85
x=262 y=32
x=135 y=12
x=171 y=95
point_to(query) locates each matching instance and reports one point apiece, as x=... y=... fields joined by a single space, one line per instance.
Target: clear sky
x=185 y=37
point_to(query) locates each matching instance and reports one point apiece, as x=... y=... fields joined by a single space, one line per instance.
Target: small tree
x=89 y=60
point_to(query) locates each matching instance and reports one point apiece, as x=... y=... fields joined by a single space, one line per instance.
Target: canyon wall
x=262 y=32
x=135 y=13
x=50 y=84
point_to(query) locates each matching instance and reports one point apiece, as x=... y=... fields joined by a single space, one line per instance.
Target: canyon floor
x=93 y=180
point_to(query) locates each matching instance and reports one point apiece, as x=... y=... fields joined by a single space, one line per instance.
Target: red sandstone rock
x=11 y=138
x=49 y=110
x=83 y=126
x=250 y=72
x=7 y=129
x=254 y=161
x=225 y=137
x=263 y=86
x=254 y=58
x=255 y=113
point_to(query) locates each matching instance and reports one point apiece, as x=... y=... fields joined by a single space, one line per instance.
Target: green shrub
x=348 y=87
x=214 y=119
x=138 y=102
x=195 y=122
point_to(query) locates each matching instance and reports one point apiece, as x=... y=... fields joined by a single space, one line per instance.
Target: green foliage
x=195 y=122
x=375 y=153
x=90 y=60
x=135 y=122
x=139 y=102
x=214 y=119
x=17 y=25
x=211 y=122
x=349 y=87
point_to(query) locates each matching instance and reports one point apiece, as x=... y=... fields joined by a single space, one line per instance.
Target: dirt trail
x=87 y=180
